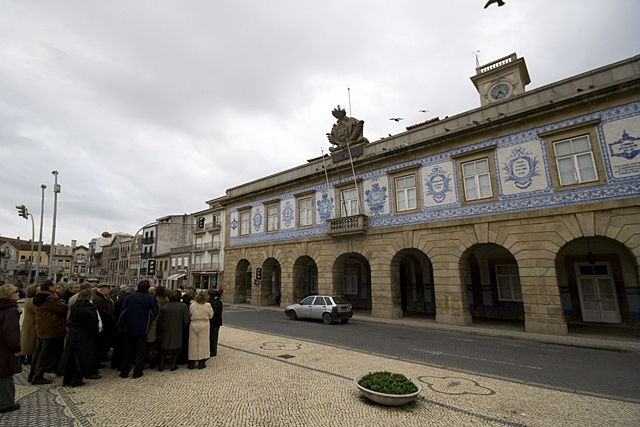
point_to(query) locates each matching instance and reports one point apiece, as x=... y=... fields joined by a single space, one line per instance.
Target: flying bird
x=397 y=119
x=423 y=111
x=500 y=3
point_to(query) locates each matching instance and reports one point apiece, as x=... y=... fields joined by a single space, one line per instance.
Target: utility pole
x=56 y=190
x=40 y=240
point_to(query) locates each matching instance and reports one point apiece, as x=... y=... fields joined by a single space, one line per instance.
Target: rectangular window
x=306 y=212
x=350 y=281
x=508 y=283
x=348 y=202
x=75 y=269
x=272 y=218
x=244 y=223
x=477 y=181
x=406 y=193
x=574 y=160
x=83 y=270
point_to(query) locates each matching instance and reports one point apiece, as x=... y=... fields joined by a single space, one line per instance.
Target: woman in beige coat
x=28 y=336
x=201 y=313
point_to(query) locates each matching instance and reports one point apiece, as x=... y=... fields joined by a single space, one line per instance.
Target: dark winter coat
x=216 y=304
x=51 y=313
x=140 y=308
x=66 y=295
x=105 y=308
x=82 y=349
x=9 y=338
x=174 y=317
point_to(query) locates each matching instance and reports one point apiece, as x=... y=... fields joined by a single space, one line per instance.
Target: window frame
x=303 y=197
x=587 y=128
x=461 y=159
x=277 y=217
x=511 y=285
x=412 y=170
x=347 y=271
x=241 y=213
x=345 y=186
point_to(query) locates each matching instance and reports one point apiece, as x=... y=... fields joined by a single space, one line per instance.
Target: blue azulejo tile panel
x=521 y=168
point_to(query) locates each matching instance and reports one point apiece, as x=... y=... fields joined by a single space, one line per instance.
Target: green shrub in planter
x=388 y=383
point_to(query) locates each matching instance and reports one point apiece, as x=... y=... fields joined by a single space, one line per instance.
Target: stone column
x=385 y=302
x=452 y=302
x=541 y=294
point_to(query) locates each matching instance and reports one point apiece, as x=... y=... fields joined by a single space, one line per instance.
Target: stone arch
x=351 y=278
x=305 y=278
x=492 y=278
x=412 y=283
x=271 y=283
x=242 y=283
x=598 y=282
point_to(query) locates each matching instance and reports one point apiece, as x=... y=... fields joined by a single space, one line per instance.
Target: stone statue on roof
x=346 y=131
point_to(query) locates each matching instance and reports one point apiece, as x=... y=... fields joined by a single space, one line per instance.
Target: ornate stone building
x=526 y=208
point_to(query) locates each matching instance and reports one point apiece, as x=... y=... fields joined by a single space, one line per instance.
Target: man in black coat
x=9 y=347
x=70 y=290
x=104 y=304
x=140 y=308
x=215 y=322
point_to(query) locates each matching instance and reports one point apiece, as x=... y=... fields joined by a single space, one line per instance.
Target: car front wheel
x=326 y=318
x=292 y=315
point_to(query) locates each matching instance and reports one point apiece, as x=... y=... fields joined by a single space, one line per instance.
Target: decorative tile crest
x=438 y=184
x=376 y=198
x=521 y=167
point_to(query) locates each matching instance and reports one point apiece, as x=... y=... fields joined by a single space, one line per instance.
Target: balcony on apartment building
x=212 y=226
x=354 y=224
x=146 y=255
x=143 y=271
x=205 y=266
x=113 y=255
x=180 y=249
x=159 y=274
x=148 y=240
x=209 y=246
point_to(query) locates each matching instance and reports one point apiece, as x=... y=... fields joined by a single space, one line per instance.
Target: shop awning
x=176 y=276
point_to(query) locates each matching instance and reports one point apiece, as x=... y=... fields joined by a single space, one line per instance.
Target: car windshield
x=340 y=300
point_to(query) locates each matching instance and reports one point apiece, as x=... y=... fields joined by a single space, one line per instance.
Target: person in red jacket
x=51 y=314
x=9 y=347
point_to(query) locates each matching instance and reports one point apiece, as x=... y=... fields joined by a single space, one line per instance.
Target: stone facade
x=499 y=212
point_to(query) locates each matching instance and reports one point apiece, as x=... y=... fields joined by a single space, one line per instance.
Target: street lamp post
x=40 y=240
x=56 y=190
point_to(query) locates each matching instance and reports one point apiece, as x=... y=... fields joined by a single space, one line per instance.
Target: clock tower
x=501 y=79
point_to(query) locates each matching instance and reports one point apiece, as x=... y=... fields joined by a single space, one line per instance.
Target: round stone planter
x=387 y=399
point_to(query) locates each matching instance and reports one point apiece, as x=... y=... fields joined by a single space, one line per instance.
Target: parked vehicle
x=327 y=308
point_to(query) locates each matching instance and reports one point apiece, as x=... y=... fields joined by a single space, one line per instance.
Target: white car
x=327 y=308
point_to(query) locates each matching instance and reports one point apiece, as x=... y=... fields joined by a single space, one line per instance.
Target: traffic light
x=258 y=273
x=22 y=211
x=201 y=222
x=151 y=267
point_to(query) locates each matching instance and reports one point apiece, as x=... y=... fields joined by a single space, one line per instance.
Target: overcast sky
x=150 y=108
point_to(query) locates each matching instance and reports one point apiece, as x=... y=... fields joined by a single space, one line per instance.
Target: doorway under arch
x=413 y=280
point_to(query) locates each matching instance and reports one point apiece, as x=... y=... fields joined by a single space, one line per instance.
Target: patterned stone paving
x=266 y=380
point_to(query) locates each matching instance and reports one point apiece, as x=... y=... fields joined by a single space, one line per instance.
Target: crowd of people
x=74 y=331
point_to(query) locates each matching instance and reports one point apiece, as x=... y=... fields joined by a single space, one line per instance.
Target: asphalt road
x=589 y=371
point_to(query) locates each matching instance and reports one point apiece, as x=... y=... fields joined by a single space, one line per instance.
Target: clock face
x=500 y=91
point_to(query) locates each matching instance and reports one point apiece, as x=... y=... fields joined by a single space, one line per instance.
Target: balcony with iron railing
x=146 y=255
x=198 y=247
x=148 y=240
x=159 y=274
x=349 y=225
x=143 y=271
x=180 y=249
x=113 y=255
x=212 y=226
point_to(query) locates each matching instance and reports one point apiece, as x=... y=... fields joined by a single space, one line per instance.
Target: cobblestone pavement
x=267 y=380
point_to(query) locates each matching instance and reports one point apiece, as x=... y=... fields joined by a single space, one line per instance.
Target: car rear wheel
x=293 y=315
x=344 y=320
x=326 y=318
